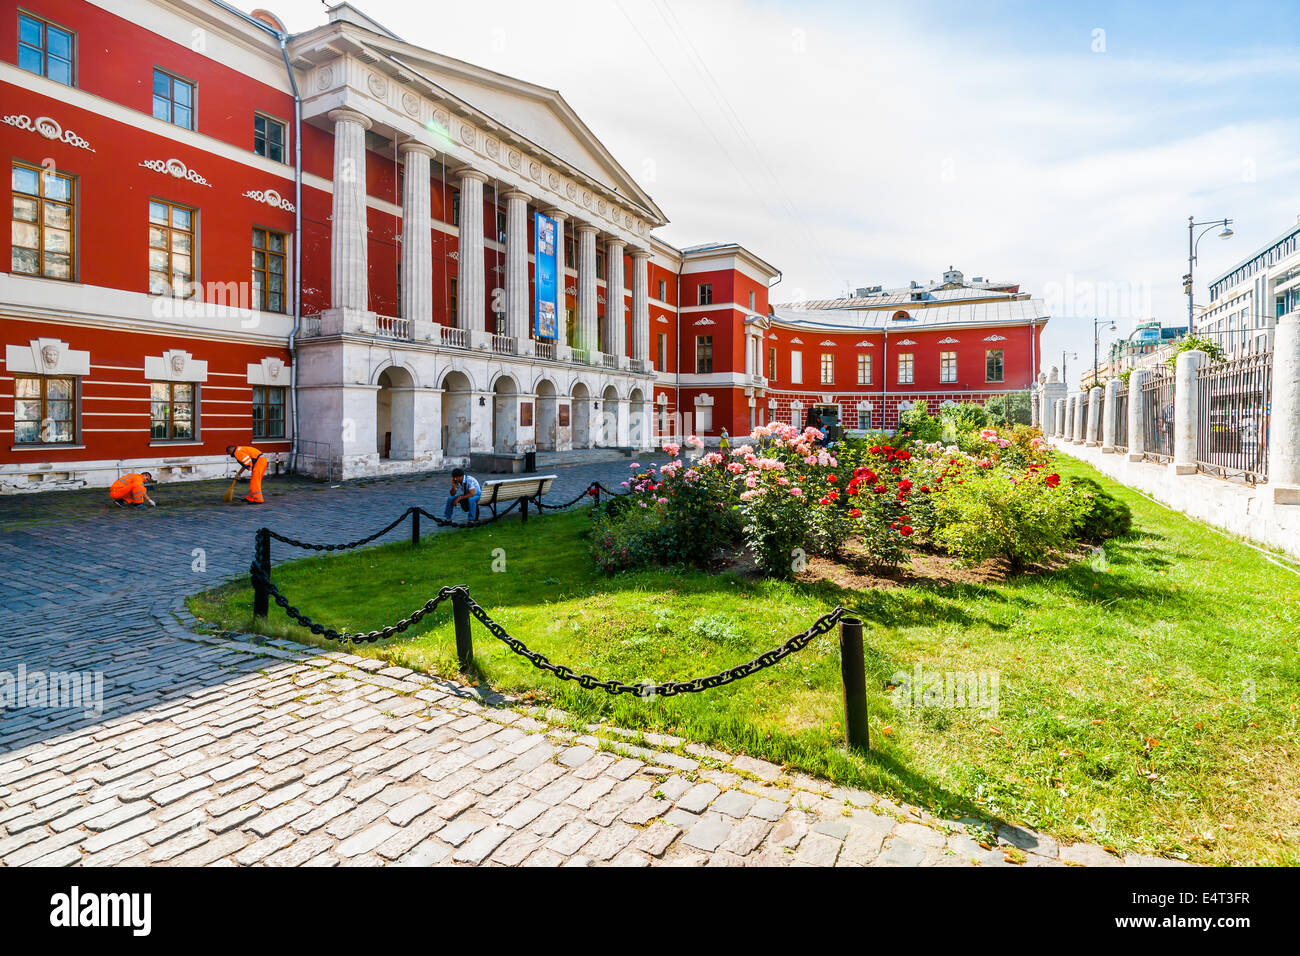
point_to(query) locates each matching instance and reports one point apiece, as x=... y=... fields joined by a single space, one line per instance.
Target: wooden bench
x=505 y=491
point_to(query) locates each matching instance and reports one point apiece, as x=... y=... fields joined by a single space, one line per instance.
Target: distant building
x=1248 y=299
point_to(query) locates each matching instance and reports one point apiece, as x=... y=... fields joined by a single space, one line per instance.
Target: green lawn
x=1147 y=702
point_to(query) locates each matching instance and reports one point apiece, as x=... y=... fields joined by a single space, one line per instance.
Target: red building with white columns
x=325 y=244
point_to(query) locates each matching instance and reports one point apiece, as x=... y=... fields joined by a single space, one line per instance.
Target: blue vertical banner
x=544 y=278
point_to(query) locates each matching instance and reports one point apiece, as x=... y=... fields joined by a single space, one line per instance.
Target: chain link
x=648 y=689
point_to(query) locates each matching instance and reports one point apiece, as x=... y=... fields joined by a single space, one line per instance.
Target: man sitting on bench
x=465 y=491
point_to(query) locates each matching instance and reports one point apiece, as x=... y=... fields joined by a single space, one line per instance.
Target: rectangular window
x=828 y=369
x=947 y=366
x=796 y=367
x=173 y=99
x=662 y=351
x=171 y=249
x=905 y=368
x=864 y=369
x=600 y=265
x=771 y=363
x=268 y=138
x=703 y=419
x=45 y=410
x=706 y=293
x=663 y=291
x=501 y=225
x=570 y=252
x=42 y=229
x=451 y=298
x=751 y=300
x=45 y=49
x=703 y=354
x=268 y=270
x=993 y=365
x=568 y=325
x=171 y=411
x=268 y=412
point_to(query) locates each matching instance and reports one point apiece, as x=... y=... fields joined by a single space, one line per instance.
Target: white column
x=1186 y=410
x=1138 y=413
x=417 y=246
x=349 y=285
x=1076 y=435
x=1060 y=418
x=1092 y=438
x=1110 y=424
x=517 y=265
x=615 y=324
x=1284 y=440
x=561 y=278
x=641 y=306
x=470 y=289
x=588 y=331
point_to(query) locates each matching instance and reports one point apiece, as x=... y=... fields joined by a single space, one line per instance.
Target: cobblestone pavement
x=217 y=751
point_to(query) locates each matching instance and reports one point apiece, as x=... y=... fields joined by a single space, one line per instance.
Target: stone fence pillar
x=1092 y=439
x=1076 y=433
x=1284 y=422
x=1187 y=417
x=1110 y=423
x=1058 y=416
x=1138 y=413
x=1068 y=433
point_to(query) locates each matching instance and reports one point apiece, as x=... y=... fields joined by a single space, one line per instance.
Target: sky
x=1059 y=145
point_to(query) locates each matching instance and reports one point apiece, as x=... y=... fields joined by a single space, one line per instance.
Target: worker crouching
x=130 y=490
x=254 y=461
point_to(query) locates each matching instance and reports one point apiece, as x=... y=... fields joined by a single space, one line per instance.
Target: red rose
x=880 y=489
x=925 y=489
x=1052 y=480
x=831 y=479
x=905 y=485
x=855 y=513
x=905 y=530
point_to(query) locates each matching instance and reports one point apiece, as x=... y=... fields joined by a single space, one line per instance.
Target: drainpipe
x=762 y=352
x=677 y=363
x=297 y=252
x=884 y=376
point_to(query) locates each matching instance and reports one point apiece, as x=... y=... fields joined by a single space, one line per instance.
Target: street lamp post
x=1064 y=355
x=1192 y=243
x=1096 y=324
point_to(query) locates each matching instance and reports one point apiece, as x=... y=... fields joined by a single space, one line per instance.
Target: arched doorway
x=505 y=415
x=456 y=412
x=395 y=415
x=581 y=413
x=546 y=438
x=609 y=412
x=637 y=430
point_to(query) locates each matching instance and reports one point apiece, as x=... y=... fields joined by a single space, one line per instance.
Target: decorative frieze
x=175 y=169
x=270 y=197
x=49 y=128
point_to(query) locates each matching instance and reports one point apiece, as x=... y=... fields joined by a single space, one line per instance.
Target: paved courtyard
x=217 y=751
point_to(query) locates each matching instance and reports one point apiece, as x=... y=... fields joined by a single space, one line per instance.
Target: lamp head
x=1226 y=234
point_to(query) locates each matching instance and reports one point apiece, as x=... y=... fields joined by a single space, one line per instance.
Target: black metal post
x=523 y=510
x=415 y=526
x=464 y=639
x=262 y=558
x=854 y=674
x=595 y=487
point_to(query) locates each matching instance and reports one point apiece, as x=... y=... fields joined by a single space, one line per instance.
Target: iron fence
x=1121 y=418
x=1232 y=434
x=1158 y=417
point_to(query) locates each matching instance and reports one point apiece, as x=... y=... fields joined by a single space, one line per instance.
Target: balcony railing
x=504 y=345
x=637 y=365
x=455 y=338
x=609 y=361
x=544 y=350
x=391 y=327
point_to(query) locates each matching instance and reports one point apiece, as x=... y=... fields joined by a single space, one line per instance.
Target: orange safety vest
x=246 y=455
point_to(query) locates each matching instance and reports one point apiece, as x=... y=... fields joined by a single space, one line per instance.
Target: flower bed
x=783 y=495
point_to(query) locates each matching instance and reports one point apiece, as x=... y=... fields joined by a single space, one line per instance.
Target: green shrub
x=1010 y=409
x=989 y=514
x=1106 y=516
x=919 y=423
x=625 y=536
x=965 y=417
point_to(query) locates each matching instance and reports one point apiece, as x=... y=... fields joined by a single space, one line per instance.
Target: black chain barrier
x=648 y=689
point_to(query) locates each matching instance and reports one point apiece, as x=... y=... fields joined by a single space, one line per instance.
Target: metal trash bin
x=530 y=462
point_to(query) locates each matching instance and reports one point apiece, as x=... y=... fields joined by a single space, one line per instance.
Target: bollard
x=262 y=558
x=523 y=510
x=595 y=487
x=415 y=526
x=854 y=674
x=464 y=639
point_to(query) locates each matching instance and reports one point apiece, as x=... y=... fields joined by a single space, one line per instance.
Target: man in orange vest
x=129 y=490
x=250 y=457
